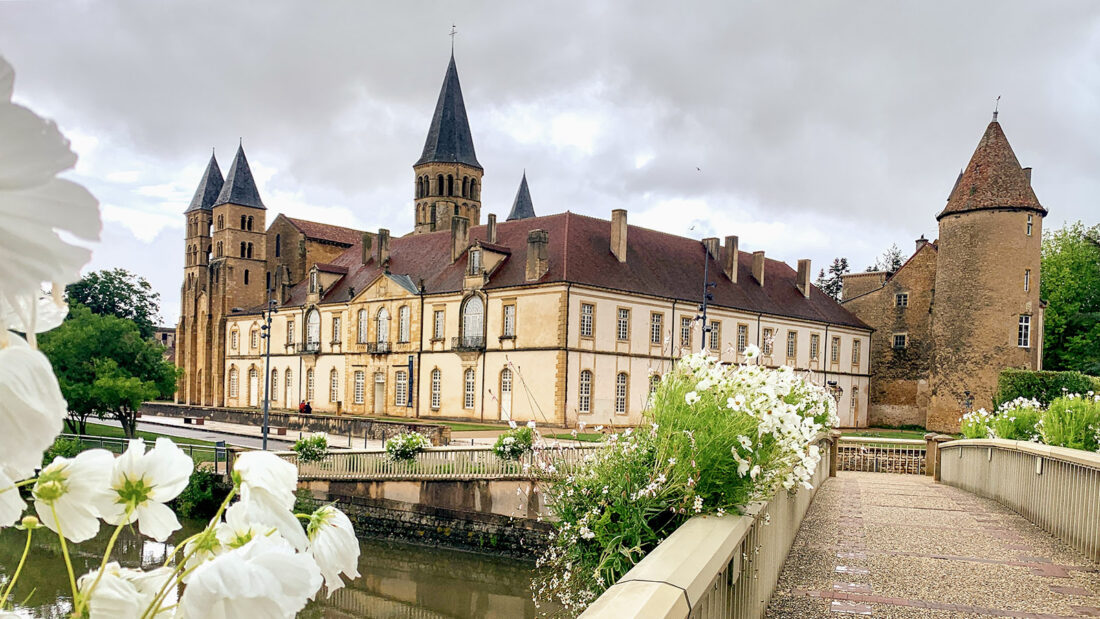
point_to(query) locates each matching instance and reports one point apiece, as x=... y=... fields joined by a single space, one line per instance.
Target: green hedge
x=1043 y=386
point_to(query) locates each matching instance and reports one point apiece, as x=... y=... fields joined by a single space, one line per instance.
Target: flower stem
x=106 y=557
x=19 y=568
x=65 y=553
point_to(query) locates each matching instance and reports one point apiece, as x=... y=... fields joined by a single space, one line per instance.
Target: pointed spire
x=209 y=187
x=449 y=139
x=522 y=208
x=992 y=179
x=240 y=187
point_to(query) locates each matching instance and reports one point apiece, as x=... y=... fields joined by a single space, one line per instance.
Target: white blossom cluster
x=406 y=445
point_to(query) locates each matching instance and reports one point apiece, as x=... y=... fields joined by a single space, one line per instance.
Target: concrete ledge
x=1075 y=456
x=640 y=599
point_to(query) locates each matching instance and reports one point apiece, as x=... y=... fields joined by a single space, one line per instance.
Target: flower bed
x=1070 y=421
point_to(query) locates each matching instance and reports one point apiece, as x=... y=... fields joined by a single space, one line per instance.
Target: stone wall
x=358 y=427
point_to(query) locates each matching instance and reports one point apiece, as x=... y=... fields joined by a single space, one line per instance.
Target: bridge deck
x=902 y=546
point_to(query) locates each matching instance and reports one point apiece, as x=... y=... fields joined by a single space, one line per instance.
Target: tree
x=1070 y=284
x=105 y=367
x=118 y=292
x=890 y=260
x=831 y=284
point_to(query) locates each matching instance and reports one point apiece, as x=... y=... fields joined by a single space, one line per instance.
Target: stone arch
x=450 y=185
x=439 y=185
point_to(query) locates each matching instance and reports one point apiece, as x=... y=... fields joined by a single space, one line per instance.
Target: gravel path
x=902 y=546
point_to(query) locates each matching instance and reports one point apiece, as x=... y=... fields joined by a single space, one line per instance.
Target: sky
x=809 y=129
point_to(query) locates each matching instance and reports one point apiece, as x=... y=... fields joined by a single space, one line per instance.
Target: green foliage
x=406 y=445
x=514 y=443
x=304 y=503
x=890 y=260
x=120 y=293
x=312 y=448
x=203 y=495
x=105 y=367
x=1074 y=422
x=830 y=283
x=975 y=424
x=64 y=447
x=1042 y=386
x=1070 y=284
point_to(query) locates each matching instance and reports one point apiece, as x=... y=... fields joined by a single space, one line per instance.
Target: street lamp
x=265 y=333
x=707 y=296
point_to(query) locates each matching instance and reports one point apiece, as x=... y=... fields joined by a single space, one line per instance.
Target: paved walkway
x=902 y=546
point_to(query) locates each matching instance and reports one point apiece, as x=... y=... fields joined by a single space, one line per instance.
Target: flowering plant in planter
x=406 y=445
x=515 y=442
x=1017 y=420
x=312 y=448
x=720 y=437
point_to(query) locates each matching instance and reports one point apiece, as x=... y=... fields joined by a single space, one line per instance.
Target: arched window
x=234 y=339
x=253 y=385
x=473 y=189
x=360 y=380
x=437 y=384
x=254 y=338
x=473 y=322
x=401 y=388
x=219 y=253
x=267 y=280
x=620 y=394
x=249 y=222
x=439 y=185
x=221 y=222
x=309 y=384
x=250 y=250
x=274 y=384
x=383 y=326
x=403 y=324
x=654 y=382
x=420 y=186
x=361 y=329
x=465 y=185
x=450 y=185
x=313 y=330
x=244 y=221
x=333 y=385
x=234 y=383
x=470 y=389
x=584 y=401
x=244 y=249
x=278 y=245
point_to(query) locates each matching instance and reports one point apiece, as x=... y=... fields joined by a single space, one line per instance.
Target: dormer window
x=313 y=280
x=475 y=261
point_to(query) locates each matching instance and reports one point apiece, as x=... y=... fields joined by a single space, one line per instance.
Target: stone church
x=963 y=307
x=561 y=318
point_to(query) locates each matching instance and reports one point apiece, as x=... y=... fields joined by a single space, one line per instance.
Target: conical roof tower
x=522 y=208
x=240 y=187
x=209 y=187
x=449 y=138
x=992 y=179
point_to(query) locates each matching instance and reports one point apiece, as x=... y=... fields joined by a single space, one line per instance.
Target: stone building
x=560 y=319
x=962 y=308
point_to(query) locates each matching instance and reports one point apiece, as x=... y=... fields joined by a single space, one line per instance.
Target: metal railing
x=713 y=566
x=309 y=348
x=882 y=455
x=378 y=348
x=214 y=457
x=1055 y=488
x=454 y=462
x=468 y=342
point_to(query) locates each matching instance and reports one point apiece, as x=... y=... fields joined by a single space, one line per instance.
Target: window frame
x=360 y=386
x=656 y=327
x=904 y=341
x=290 y=331
x=309 y=385
x=333 y=386
x=439 y=324
x=622 y=393
x=792 y=344
x=469 y=389
x=234 y=382
x=401 y=388
x=1027 y=280
x=1023 y=331
x=834 y=350
x=404 y=324
x=508 y=320
x=742 y=337
x=584 y=392
x=588 y=320
x=622 y=324
x=436 y=389
x=767 y=341
x=856 y=346
x=815 y=347
x=336 y=330
x=901 y=299
x=686 y=328
x=362 y=326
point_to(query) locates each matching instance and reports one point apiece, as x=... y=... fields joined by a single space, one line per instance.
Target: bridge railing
x=715 y=566
x=213 y=457
x=1057 y=489
x=454 y=462
x=882 y=455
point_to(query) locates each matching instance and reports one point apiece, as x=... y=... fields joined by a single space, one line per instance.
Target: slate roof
x=327 y=267
x=240 y=187
x=338 y=235
x=449 y=139
x=209 y=188
x=992 y=179
x=521 y=206
x=657 y=264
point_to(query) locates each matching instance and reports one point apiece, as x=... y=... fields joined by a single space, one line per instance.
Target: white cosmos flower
x=122 y=593
x=11 y=504
x=141 y=484
x=240 y=525
x=31 y=407
x=34 y=206
x=751 y=352
x=334 y=546
x=691 y=398
x=263 y=578
x=267 y=484
x=74 y=487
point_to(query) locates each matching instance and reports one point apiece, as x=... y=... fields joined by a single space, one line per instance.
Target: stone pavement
x=903 y=546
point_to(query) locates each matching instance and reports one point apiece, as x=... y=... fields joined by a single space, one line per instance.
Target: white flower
x=691 y=398
x=512 y=424
x=11 y=504
x=263 y=578
x=141 y=484
x=268 y=483
x=122 y=593
x=334 y=546
x=751 y=352
x=31 y=407
x=240 y=525
x=74 y=487
x=531 y=424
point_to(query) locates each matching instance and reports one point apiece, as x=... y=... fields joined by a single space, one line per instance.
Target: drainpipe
x=825 y=360
x=484 y=353
x=565 y=344
x=420 y=351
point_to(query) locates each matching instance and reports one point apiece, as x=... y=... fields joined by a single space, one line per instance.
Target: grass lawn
x=886 y=433
x=98 y=429
x=587 y=437
x=455 y=426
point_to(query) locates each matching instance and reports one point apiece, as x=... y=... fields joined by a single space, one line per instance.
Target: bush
x=1042 y=386
x=975 y=424
x=514 y=443
x=1017 y=420
x=721 y=437
x=406 y=445
x=64 y=447
x=1073 y=421
x=203 y=495
x=311 y=449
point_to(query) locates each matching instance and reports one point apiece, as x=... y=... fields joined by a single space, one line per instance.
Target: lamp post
x=707 y=296
x=265 y=333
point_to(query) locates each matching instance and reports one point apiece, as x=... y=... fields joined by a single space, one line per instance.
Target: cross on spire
x=454 y=31
x=996 y=106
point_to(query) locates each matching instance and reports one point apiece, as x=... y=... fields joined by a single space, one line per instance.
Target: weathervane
x=996 y=106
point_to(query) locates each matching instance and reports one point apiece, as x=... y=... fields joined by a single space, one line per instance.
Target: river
x=397 y=580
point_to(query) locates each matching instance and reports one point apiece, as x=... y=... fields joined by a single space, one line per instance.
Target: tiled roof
x=449 y=138
x=209 y=188
x=326 y=267
x=522 y=208
x=325 y=232
x=992 y=179
x=657 y=264
x=240 y=187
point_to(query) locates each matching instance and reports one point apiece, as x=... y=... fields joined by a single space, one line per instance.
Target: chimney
x=460 y=236
x=804 y=277
x=732 y=255
x=712 y=246
x=1027 y=175
x=365 y=243
x=758 y=266
x=537 y=259
x=383 y=246
x=618 y=234
x=491 y=232
x=921 y=242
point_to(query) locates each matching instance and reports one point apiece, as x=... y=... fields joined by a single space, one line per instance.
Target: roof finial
x=996 y=106
x=454 y=31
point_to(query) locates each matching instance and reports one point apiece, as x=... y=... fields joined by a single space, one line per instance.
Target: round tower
x=986 y=314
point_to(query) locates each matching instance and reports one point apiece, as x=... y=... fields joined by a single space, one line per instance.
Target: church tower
x=522 y=208
x=986 y=313
x=448 y=175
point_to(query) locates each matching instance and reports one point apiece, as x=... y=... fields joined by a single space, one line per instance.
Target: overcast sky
x=810 y=129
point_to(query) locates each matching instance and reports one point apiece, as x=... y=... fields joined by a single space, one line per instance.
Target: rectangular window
x=509 y=321
x=742 y=338
x=815 y=346
x=437 y=381
x=475 y=261
x=792 y=344
x=620 y=394
x=584 y=402
x=1023 y=335
x=335 y=329
x=290 y=332
x=1030 y=223
x=855 y=399
x=401 y=388
x=623 y=330
x=437 y=333
x=360 y=379
x=769 y=336
x=715 y=334
x=233 y=337
x=309 y=385
x=1027 y=280
x=233 y=384
x=901 y=299
x=900 y=340
x=470 y=389
x=255 y=339
x=855 y=352
x=834 y=354
x=656 y=327
x=586 y=319
x=685 y=332
x=333 y=387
